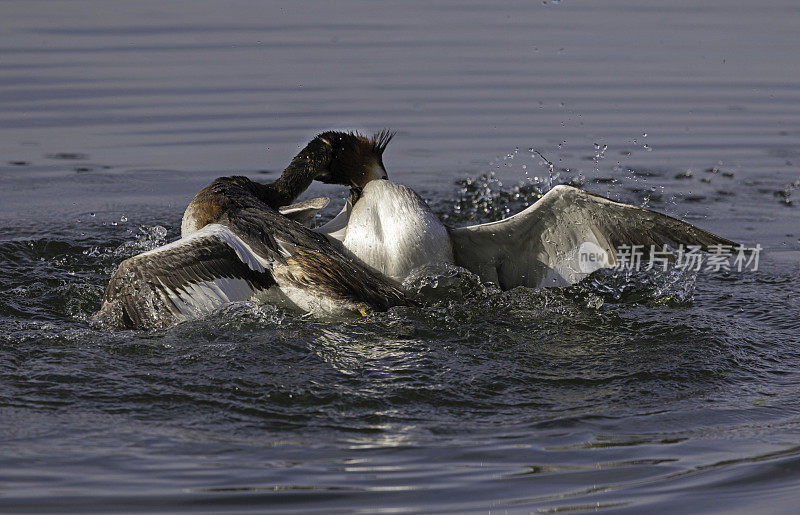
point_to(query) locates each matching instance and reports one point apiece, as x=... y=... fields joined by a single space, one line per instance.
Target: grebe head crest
x=355 y=159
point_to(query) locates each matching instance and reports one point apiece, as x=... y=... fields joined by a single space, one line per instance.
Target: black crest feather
x=381 y=139
x=378 y=142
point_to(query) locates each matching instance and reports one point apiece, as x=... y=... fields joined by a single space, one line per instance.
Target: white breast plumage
x=394 y=231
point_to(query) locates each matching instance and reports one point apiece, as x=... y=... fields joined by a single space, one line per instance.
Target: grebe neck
x=297 y=177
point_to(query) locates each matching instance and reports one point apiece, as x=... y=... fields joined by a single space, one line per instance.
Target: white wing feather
x=540 y=246
x=193 y=299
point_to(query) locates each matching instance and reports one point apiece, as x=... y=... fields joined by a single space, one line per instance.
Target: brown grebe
x=236 y=246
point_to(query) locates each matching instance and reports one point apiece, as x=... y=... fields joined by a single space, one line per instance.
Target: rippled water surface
x=658 y=392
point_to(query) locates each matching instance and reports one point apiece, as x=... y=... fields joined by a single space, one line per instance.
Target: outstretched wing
x=542 y=245
x=186 y=278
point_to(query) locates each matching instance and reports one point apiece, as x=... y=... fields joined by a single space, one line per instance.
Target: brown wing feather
x=138 y=295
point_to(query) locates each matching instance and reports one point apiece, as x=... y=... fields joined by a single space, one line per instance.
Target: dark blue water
x=658 y=393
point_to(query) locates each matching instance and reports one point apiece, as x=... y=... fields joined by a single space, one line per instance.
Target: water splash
x=148 y=238
x=785 y=193
x=599 y=155
x=673 y=287
x=486 y=199
x=443 y=282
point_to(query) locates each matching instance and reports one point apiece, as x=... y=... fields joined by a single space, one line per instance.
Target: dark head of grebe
x=333 y=157
x=355 y=159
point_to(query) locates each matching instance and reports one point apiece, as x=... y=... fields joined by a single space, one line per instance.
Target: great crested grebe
x=391 y=228
x=235 y=245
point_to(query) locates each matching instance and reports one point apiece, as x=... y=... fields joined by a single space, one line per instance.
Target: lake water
x=662 y=393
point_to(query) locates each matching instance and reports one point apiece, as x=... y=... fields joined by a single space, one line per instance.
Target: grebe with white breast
x=391 y=228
